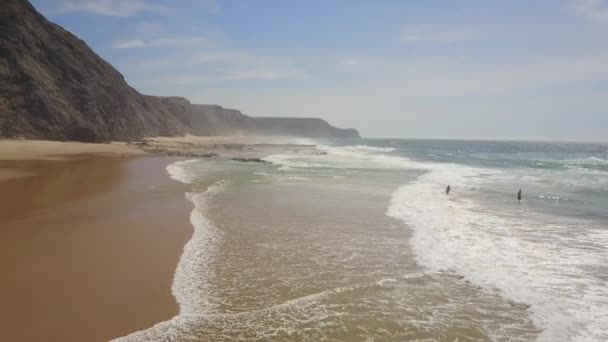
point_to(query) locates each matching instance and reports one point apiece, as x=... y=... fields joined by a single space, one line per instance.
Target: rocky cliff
x=300 y=127
x=53 y=86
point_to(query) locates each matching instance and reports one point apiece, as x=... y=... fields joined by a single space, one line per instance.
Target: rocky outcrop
x=53 y=86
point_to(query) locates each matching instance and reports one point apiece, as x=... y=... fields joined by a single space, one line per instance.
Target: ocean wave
x=194 y=274
x=528 y=259
x=365 y=148
x=314 y=311
x=587 y=161
x=178 y=171
x=551 y=266
x=192 y=282
x=342 y=157
x=288 y=162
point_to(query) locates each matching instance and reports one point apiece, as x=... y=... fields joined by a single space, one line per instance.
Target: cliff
x=53 y=86
x=300 y=127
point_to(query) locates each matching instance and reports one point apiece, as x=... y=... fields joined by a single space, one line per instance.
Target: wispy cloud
x=348 y=63
x=114 y=8
x=264 y=75
x=230 y=76
x=130 y=44
x=443 y=77
x=214 y=57
x=191 y=58
x=432 y=33
x=592 y=9
x=192 y=66
x=161 y=42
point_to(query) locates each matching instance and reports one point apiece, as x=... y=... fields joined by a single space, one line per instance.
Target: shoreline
x=89 y=243
x=91 y=235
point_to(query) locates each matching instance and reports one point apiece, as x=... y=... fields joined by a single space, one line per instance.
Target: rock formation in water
x=53 y=86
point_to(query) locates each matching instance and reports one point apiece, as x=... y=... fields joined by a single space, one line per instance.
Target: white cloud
x=185 y=59
x=350 y=62
x=193 y=66
x=592 y=9
x=230 y=76
x=230 y=64
x=115 y=8
x=211 y=57
x=177 y=41
x=161 y=42
x=264 y=75
x=130 y=44
x=432 y=33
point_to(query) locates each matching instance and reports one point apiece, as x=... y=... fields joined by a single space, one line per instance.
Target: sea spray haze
x=360 y=242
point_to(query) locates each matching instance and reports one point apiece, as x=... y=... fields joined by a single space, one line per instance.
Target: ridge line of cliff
x=54 y=86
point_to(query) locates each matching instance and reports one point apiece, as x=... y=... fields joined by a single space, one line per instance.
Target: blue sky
x=518 y=69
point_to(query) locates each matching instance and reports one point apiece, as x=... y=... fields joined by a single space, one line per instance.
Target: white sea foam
x=341 y=157
x=548 y=265
x=587 y=161
x=289 y=162
x=364 y=148
x=295 y=178
x=178 y=172
x=549 y=197
x=194 y=274
x=551 y=266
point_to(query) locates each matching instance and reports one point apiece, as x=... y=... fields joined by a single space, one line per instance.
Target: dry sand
x=54 y=150
x=43 y=149
x=219 y=140
x=88 y=243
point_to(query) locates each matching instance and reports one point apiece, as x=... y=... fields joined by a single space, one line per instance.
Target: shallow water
x=360 y=243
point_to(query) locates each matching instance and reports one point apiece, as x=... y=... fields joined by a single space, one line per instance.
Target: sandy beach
x=89 y=240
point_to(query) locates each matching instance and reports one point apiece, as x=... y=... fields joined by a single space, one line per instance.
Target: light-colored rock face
x=53 y=86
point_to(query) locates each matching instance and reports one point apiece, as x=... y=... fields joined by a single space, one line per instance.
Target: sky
x=486 y=69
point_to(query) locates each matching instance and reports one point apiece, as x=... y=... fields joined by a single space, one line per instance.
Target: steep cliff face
x=53 y=86
x=300 y=127
x=215 y=120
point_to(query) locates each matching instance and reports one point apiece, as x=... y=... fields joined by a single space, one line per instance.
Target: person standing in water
x=519 y=195
x=447 y=190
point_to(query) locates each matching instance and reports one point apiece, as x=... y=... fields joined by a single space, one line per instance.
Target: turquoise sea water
x=549 y=251
x=357 y=241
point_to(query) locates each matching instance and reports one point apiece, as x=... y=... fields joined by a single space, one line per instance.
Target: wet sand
x=88 y=246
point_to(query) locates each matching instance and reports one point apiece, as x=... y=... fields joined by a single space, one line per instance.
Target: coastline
x=89 y=241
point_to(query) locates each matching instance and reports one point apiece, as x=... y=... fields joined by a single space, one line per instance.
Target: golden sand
x=88 y=244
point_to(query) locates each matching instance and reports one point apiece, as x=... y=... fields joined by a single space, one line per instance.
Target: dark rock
x=53 y=86
x=249 y=160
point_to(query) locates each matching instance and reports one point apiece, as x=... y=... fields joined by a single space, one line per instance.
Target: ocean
x=358 y=241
